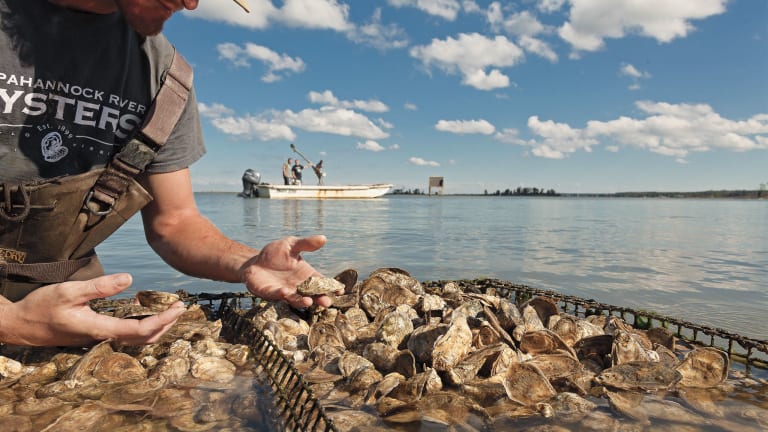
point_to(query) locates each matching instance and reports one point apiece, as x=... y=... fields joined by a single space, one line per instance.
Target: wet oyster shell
x=545 y=307
x=85 y=366
x=394 y=328
x=543 y=342
x=628 y=347
x=348 y=278
x=119 y=367
x=157 y=301
x=213 y=369
x=399 y=277
x=349 y=362
x=639 y=376
x=422 y=340
x=324 y=333
x=317 y=285
x=526 y=384
x=453 y=346
x=703 y=367
x=83 y=418
x=555 y=366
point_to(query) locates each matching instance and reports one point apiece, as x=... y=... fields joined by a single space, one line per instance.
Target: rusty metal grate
x=297 y=406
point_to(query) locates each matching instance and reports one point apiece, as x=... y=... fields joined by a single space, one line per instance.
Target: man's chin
x=145 y=29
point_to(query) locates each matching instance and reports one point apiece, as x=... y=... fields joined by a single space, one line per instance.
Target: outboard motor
x=251 y=179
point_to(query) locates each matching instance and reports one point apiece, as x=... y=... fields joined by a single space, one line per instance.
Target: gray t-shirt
x=73 y=88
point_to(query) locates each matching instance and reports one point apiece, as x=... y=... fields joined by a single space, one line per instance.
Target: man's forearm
x=196 y=247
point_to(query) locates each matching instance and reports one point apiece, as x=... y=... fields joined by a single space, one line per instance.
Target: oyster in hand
x=316 y=285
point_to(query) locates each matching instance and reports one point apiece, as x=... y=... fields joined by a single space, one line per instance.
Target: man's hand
x=274 y=273
x=59 y=315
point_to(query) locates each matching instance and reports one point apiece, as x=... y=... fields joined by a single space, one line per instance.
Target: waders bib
x=48 y=230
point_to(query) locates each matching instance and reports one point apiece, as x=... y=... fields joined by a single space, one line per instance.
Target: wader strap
x=44 y=272
x=135 y=156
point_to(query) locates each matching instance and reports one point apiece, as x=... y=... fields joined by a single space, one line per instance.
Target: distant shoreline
x=711 y=194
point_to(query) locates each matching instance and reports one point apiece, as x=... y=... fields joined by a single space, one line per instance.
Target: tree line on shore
x=521 y=191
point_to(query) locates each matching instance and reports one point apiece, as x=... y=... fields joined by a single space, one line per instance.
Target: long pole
x=293 y=147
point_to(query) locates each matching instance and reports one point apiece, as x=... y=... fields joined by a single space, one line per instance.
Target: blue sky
x=574 y=95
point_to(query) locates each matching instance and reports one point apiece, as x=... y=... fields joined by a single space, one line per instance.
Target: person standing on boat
x=287 y=172
x=100 y=122
x=297 y=169
x=318 y=169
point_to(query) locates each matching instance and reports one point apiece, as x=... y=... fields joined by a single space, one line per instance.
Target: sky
x=579 y=96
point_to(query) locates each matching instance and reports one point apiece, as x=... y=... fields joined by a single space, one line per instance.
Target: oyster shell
x=628 y=346
x=422 y=340
x=545 y=307
x=526 y=384
x=316 y=285
x=639 y=375
x=119 y=367
x=156 y=301
x=543 y=342
x=703 y=367
x=213 y=369
x=83 y=418
x=348 y=278
x=468 y=368
x=555 y=366
x=324 y=333
x=394 y=328
x=453 y=346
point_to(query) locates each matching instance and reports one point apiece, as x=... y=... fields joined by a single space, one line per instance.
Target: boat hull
x=323 y=192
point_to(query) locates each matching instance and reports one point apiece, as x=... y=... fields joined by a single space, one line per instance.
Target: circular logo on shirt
x=52 y=147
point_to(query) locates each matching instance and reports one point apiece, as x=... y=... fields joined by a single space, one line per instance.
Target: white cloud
x=319 y=14
x=249 y=127
x=327 y=98
x=214 y=110
x=465 y=126
x=246 y=127
x=469 y=55
x=338 y=121
x=378 y=35
x=521 y=24
x=538 y=47
x=634 y=74
x=591 y=21
x=370 y=145
x=262 y=12
x=550 y=6
x=277 y=125
x=673 y=130
x=312 y=14
x=394 y=147
x=470 y=6
x=410 y=106
x=631 y=71
x=276 y=63
x=447 y=9
x=421 y=162
x=509 y=136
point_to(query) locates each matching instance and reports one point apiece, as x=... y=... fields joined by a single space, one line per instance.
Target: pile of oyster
x=189 y=381
x=392 y=354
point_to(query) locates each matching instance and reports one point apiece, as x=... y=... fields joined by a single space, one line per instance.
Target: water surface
x=703 y=260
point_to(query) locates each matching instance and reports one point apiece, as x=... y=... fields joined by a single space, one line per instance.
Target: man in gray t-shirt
x=78 y=79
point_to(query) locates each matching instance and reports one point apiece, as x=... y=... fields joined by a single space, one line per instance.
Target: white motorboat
x=322 y=192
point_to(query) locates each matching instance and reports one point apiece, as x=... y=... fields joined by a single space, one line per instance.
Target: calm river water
x=704 y=261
